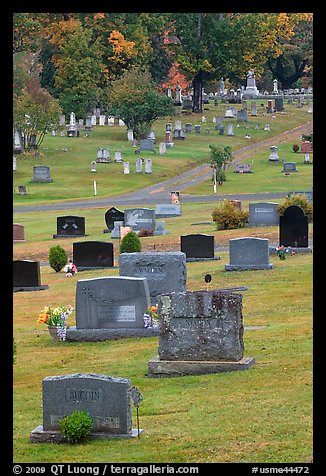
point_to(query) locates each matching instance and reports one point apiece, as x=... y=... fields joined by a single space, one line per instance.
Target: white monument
x=251 y=90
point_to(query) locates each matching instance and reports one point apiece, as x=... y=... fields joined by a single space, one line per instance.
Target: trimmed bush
x=300 y=200
x=57 y=258
x=227 y=217
x=130 y=243
x=295 y=148
x=76 y=426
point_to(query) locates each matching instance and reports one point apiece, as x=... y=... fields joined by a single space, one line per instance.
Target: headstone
x=126 y=168
x=263 y=214
x=162 y=148
x=167 y=210
x=27 y=276
x=14 y=163
x=229 y=113
x=116 y=230
x=306 y=146
x=201 y=332
x=93 y=166
x=294 y=227
x=275 y=86
x=168 y=139
x=270 y=108
x=88 y=124
x=106 y=399
x=138 y=218
x=130 y=135
x=198 y=247
x=148 y=166
x=178 y=90
x=102 y=120
x=248 y=254
x=273 y=155
x=22 y=189
x=279 y=107
x=197 y=128
x=164 y=271
x=230 y=130
x=251 y=90
x=242 y=116
x=253 y=108
x=103 y=155
x=110 y=120
x=110 y=307
x=179 y=134
x=118 y=156
x=178 y=124
x=139 y=165
x=121 y=122
x=70 y=227
x=41 y=174
x=188 y=126
x=112 y=215
x=267 y=127
x=168 y=126
x=18 y=232
x=243 y=168
x=93 y=255
x=289 y=167
x=146 y=144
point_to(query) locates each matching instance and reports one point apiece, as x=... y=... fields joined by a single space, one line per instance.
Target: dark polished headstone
x=70 y=227
x=112 y=215
x=294 y=227
x=93 y=254
x=27 y=276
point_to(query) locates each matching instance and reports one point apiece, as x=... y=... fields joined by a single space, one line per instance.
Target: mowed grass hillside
x=260 y=415
x=69 y=158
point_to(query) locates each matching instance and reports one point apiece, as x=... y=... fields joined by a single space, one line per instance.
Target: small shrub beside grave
x=76 y=426
x=57 y=258
x=130 y=243
x=227 y=217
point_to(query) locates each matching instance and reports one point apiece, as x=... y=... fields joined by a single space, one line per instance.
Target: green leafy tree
x=137 y=101
x=220 y=156
x=35 y=112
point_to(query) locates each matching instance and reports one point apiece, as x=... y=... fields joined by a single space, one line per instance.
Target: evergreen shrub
x=130 y=243
x=227 y=217
x=57 y=258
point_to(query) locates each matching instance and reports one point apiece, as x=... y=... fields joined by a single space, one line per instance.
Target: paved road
x=160 y=192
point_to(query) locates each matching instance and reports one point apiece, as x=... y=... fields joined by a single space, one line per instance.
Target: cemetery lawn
x=69 y=159
x=261 y=415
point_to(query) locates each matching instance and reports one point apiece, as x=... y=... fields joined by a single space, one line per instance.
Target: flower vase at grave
x=57 y=332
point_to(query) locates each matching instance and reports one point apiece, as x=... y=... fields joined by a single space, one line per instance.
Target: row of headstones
x=245 y=253
x=91 y=120
x=103 y=156
x=193 y=348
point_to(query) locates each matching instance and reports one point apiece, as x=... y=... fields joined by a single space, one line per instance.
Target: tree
x=295 y=57
x=137 y=101
x=78 y=67
x=35 y=112
x=220 y=156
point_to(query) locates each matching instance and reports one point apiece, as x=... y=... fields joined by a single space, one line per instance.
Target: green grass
x=73 y=179
x=233 y=417
x=262 y=415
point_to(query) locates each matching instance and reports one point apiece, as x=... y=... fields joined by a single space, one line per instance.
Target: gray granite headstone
x=106 y=399
x=263 y=214
x=41 y=173
x=110 y=308
x=166 y=210
x=248 y=254
x=138 y=218
x=289 y=167
x=200 y=332
x=111 y=302
x=164 y=271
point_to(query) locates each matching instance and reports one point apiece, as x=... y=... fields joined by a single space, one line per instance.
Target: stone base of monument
x=38 y=435
x=30 y=288
x=67 y=236
x=244 y=267
x=94 y=335
x=203 y=259
x=179 y=368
